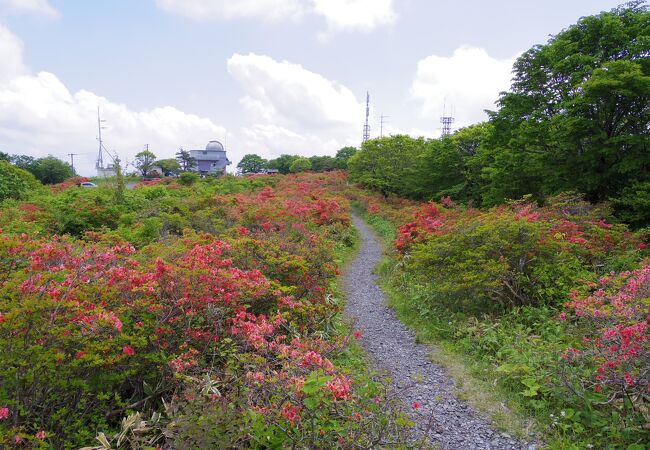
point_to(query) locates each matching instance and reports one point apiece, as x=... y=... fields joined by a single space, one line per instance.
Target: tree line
x=576 y=118
x=252 y=163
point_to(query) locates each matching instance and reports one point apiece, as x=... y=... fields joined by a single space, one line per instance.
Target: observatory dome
x=214 y=146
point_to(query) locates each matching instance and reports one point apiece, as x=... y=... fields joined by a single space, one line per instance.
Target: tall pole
x=100 y=157
x=381 y=124
x=72 y=155
x=366 y=127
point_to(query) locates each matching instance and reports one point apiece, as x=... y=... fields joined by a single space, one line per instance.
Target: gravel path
x=449 y=422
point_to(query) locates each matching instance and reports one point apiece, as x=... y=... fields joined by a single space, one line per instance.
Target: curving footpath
x=448 y=422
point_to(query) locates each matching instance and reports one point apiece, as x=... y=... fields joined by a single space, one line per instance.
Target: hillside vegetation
x=197 y=316
x=575 y=119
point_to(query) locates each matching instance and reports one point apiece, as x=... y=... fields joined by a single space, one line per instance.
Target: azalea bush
x=510 y=256
x=549 y=304
x=214 y=300
x=615 y=349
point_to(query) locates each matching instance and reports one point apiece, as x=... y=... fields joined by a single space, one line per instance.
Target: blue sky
x=266 y=76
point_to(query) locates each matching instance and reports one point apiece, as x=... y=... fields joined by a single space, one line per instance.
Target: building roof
x=215 y=146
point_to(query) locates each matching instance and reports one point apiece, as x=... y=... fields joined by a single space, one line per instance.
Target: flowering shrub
x=513 y=255
x=229 y=313
x=617 y=341
x=586 y=360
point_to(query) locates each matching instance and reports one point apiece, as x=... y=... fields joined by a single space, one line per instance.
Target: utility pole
x=381 y=124
x=72 y=155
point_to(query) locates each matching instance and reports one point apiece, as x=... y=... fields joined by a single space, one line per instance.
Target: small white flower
x=562 y=413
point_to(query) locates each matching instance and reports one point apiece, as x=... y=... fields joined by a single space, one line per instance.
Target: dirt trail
x=448 y=422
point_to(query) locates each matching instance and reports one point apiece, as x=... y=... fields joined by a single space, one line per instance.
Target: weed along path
x=447 y=421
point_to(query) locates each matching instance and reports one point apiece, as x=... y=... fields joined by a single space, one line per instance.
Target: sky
x=261 y=76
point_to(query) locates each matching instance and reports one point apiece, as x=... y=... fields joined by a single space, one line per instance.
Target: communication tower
x=446 y=122
x=366 y=127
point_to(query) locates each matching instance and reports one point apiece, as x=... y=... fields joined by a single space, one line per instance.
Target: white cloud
x=282 y=97
x=204 y=10
x=40 y=116
x=11 y=55
x=38 y=7
x=287 y=93
x=362 y=15
x=468 y=82
x=340 y=15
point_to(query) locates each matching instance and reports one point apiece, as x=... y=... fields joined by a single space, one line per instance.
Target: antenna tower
x=382 y=121
x=100 y=156
x=366 y=127
x=446 y=122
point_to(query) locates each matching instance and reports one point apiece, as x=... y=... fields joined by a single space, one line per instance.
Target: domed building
x=212 y=160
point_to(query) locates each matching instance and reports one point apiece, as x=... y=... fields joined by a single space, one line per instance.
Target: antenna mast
x=382 y=121
x=100 y=156
x=446 y=121
x=366 y=127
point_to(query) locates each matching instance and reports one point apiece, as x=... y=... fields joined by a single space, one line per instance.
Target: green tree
x=169 y=166
x=392 y=165
x=578 y=106
x=252 y=163
x=185 y=160
x=50 y=170
x=144 y=161
x=470 y=145
x=444 y=173
x=282 y=163
x=22 y=161
x=322 y=163
x=343 y=155
x=15 y=182
x=5 y=157
x=300 y=165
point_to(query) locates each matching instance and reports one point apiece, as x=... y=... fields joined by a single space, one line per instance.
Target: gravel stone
x=447 y=422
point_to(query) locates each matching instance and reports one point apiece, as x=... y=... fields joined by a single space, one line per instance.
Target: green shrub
x=15 y=182
x=633 y=205
x=188 y=178
x=494 y=262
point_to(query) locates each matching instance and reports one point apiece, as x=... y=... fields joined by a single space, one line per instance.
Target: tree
x=22 y=161
x=322 y=163
x=300 y=165
x=252 y=163
x=15 y=182
x=391 y=165
x=185 y=159
x=144 y=161
x=282 y=163
x=169 y=166
x=578 y=105
x=50 y=170
x=5 y=157
x=343 y=155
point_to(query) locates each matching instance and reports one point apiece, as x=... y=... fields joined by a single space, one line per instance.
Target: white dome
x=214 y=146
